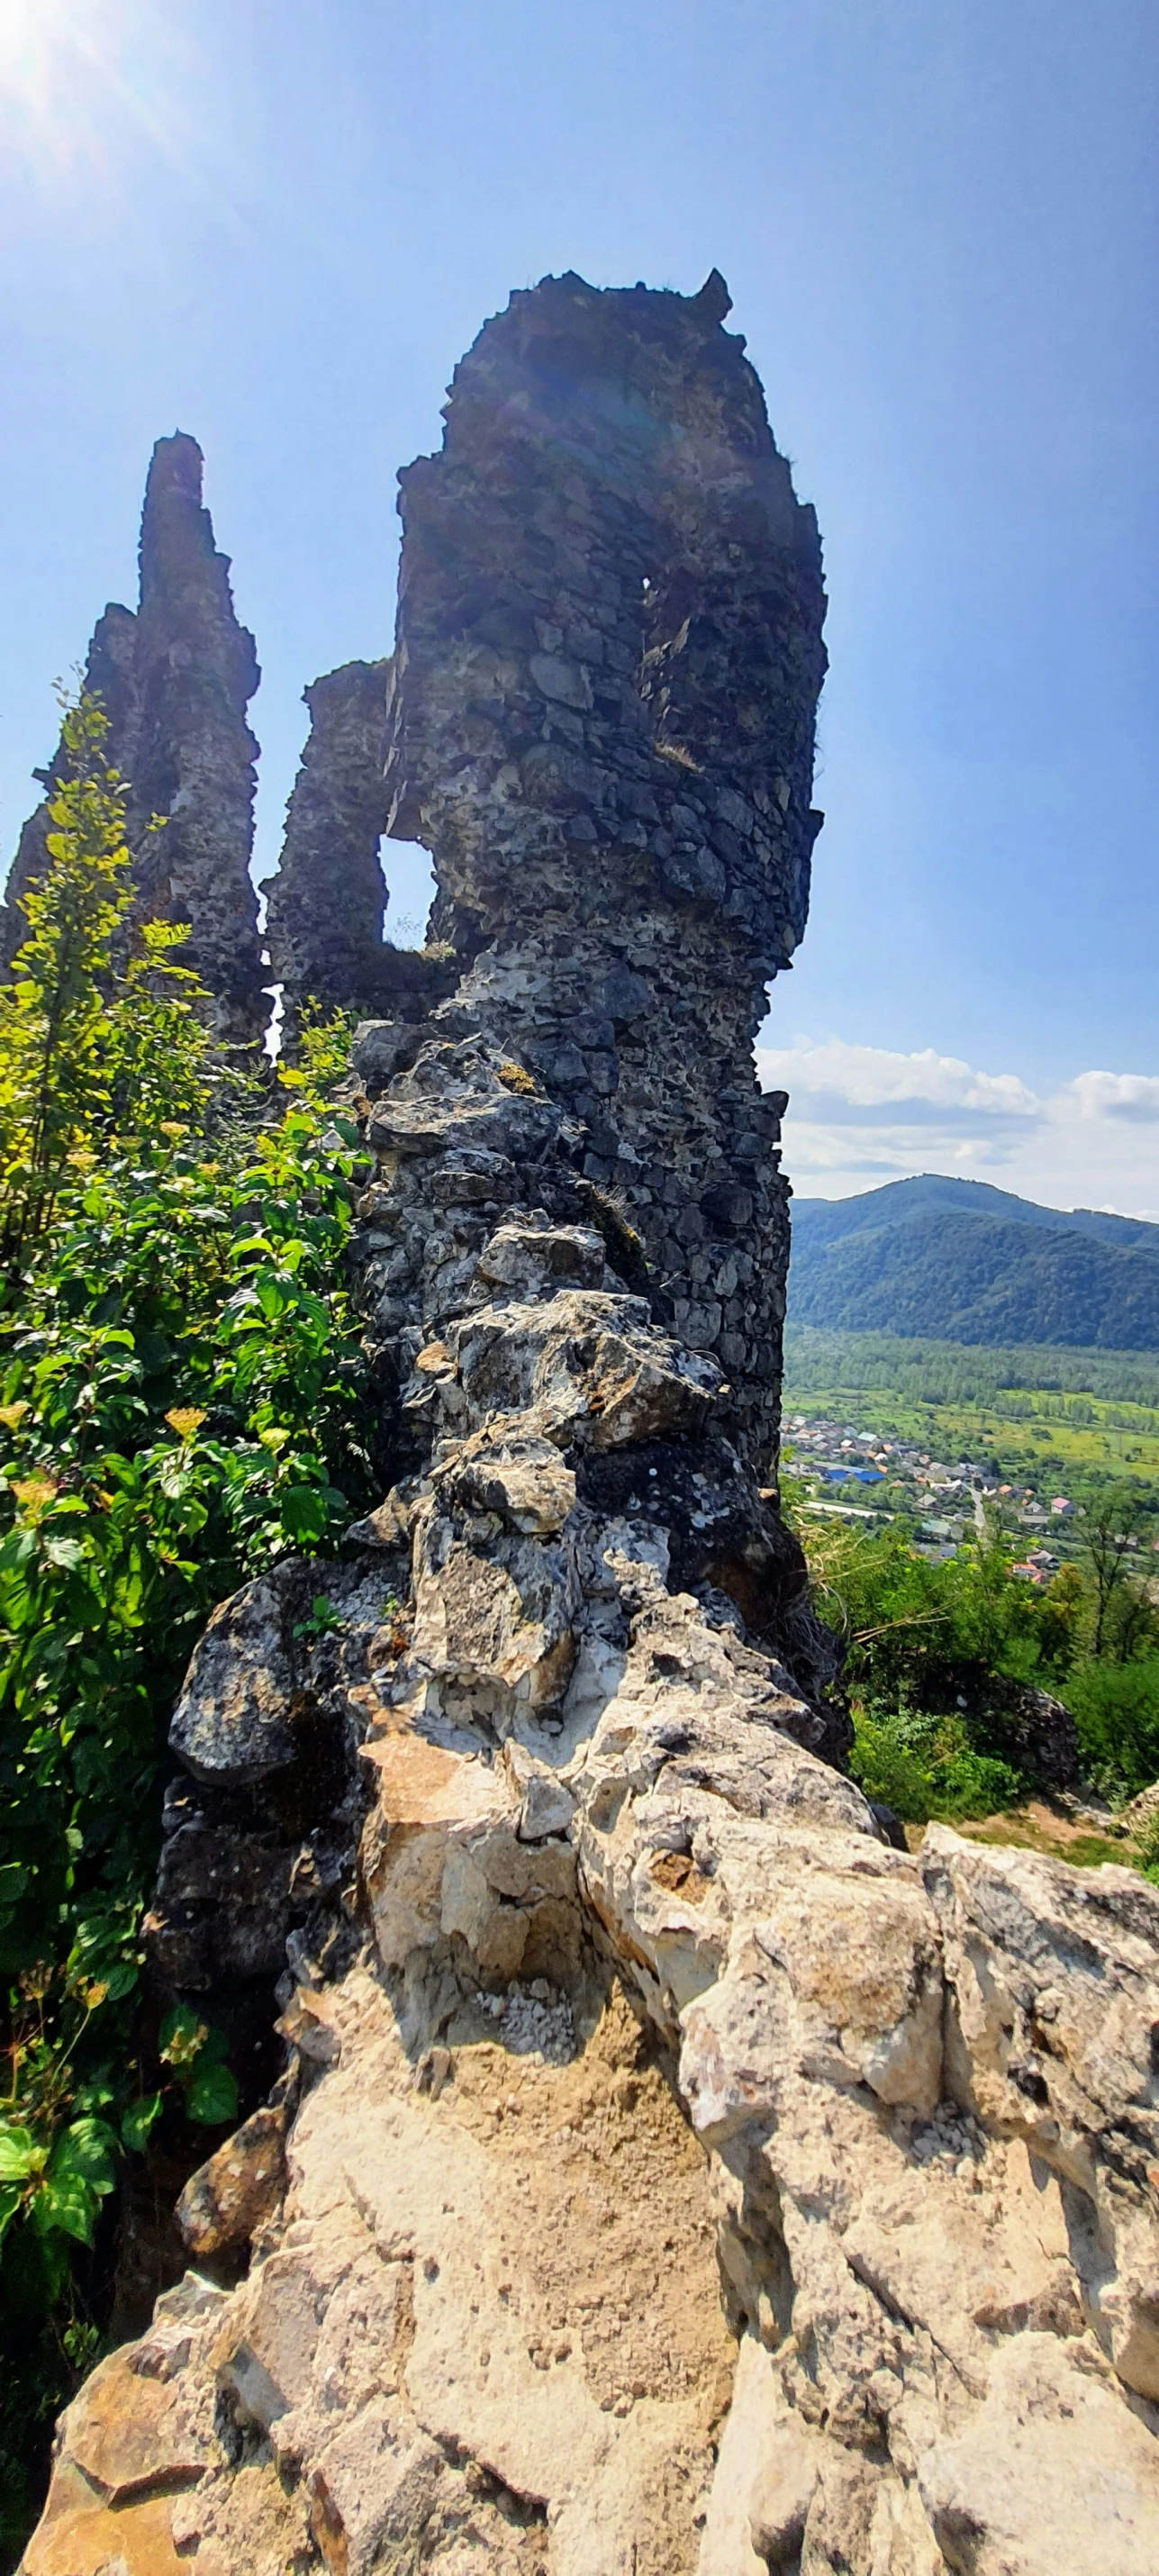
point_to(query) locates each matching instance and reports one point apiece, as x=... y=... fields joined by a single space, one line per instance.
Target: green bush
x=1147 y=1849
x=918 y=1630
x=1116 y=1713
x=180 y=1395
x=933 y=1650
x=925 y=1766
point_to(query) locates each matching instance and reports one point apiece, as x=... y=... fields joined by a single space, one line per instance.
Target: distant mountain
x=962 y=1262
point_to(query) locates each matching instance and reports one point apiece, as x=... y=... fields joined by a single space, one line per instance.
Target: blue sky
x=279 y=226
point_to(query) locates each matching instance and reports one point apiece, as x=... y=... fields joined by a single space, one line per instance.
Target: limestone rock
x=585 y=1358
x=238 y=2189
x=432 y=2363
x=274 y=1709
x=445 y=1853
x=1139 y=1811
x=235 y=1712
x=1052 y=2478
x=1052 y=2037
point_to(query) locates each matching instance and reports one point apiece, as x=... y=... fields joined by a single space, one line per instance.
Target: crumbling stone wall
x=328 y=898
x=175 y=681
x=327 y=902
x=109 y=675
x=602 y=724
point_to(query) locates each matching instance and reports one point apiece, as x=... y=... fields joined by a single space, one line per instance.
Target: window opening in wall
x=272 y=1042
x=410 y=878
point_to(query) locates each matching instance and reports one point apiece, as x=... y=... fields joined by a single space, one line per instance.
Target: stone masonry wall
x=602 y=702
x=335 y=819
x=328 y=899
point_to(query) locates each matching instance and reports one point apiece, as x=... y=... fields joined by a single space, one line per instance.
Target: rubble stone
x=238 y=2189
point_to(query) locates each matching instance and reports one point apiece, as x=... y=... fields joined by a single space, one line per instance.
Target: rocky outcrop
x=666 y=2175
x=175 y=681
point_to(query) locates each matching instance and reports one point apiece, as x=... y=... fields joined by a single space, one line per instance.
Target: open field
x=1039 y=1415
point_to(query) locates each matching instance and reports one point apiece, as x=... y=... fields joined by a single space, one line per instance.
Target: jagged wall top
x=610 y=618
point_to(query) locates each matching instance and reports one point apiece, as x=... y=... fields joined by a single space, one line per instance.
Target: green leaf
x=13 y=1881
x=137 y=2121
x=121 y=1980
x=66 y=1553
x=10 y=2199
x=303 y=1514
x=67 y=2204
x=181 y=2037
x=212 y=2096
x=86 y=2155
x=20 y=2155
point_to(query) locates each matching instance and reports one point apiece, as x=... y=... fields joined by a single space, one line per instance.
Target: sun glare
x=67 y=77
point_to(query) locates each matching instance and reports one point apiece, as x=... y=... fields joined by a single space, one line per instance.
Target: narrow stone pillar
x=175 y=681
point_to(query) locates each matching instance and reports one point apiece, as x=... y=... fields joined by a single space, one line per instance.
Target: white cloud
x=860 y=1115
x=853 y=1085
x=1117 y=1095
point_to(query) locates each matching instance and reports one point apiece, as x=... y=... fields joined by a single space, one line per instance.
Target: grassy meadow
x=1040 y=1415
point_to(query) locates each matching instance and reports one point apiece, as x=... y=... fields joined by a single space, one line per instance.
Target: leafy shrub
x=1116 y=1713
x=180 y=1387
x=1147 y=1849
x=924 y=1766
x=917 y=1630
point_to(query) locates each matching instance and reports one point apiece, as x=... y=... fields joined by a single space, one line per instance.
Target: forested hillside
x=957 y=1261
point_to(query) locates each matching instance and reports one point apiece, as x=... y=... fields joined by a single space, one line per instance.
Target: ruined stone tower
x=602 y=723
x=624 y=2059
x=175 y=681
x=327 y=901
x=599 y=719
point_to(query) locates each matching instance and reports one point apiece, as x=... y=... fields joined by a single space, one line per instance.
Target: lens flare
x=72 y=74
